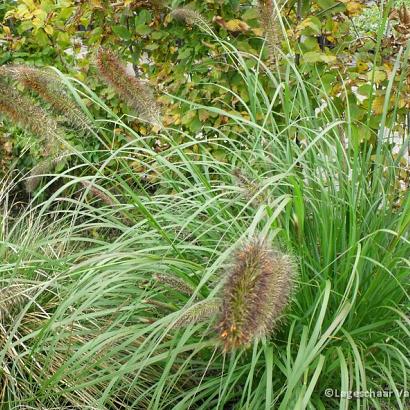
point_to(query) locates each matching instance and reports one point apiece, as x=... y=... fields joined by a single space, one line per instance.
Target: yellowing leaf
x=312 y=23
x=362 y=67
x=38 y=23
x=6 y=30
x=318 y=57
x=203 y=115
x=236 y=25
x=96 y=5
x=257 y=31
x=379 y=76
x=377 y=105
x=49 y=29
x=30 y=4
x=354 y=8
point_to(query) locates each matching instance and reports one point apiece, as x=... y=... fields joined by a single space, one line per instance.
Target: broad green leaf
x=122 y=32
x=318 y=57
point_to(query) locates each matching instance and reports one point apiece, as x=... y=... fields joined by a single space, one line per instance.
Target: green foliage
x=184 y=60
x=92 y=318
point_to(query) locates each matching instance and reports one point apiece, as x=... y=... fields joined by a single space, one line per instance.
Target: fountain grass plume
x=198 y=312
x=43 y=168
x=22 y=111
x=174 y=283
x=249 y=188
x=11 y=298
x=270 y=23
x=255 y=294
x=98 y=193
x=135 y=92
x=189 y=16
x=50 y=88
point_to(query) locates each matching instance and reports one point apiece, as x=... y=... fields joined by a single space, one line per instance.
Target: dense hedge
x=337 y=58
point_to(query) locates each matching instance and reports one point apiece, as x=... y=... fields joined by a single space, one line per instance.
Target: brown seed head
x=11 y=298
x=270 y=23
x=23 y=112
x=42 y=168
x=175 y=283
x=198 y=312
x=255 y=294
x=132 y=90
x=187 y=15
x=50 y=88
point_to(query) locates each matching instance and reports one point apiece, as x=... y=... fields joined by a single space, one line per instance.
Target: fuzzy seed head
x=42 y=168
x=187 y=15
x=132 y=90
x=255 y=294
x=270 y=23
x=174 y=283
x=23 y=112
x=198 y=312
x=50 y=88
x=249 y=188
x=11 y=298
x=98 y=193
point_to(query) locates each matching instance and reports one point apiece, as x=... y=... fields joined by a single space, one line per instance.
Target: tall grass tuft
x=101 y=336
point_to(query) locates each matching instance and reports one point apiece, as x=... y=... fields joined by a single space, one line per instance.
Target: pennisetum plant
x=48 y=86
x=270 y=23
x=135 y=92
x=22 y=111
x=189 y=16
x=255 y=293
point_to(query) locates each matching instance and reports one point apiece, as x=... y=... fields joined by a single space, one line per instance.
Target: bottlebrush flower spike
x=50 y=88
x=11 y=298
x=189 y=16
x=270 y=24
x=98 y=193
x=250 y=188
x=23 y=112
x=132 y=90
x=174 y=283
x=198 y=312
x=42 y=168
x=255 y=294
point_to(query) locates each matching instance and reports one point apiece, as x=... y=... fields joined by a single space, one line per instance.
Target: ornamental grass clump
x=132 y=90
x=255 y=294
x=48 y=86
